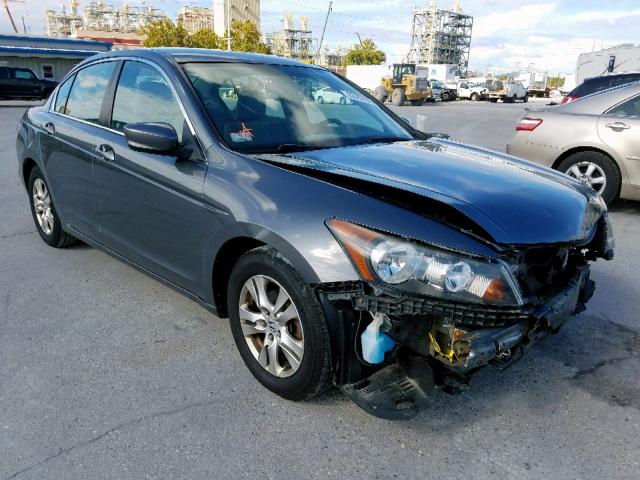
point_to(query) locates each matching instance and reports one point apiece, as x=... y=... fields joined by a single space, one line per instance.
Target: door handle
x=106 y=152
x=617 y=126
x=50 y=128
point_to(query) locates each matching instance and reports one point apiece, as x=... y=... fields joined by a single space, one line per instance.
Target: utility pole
x=228 y=25
x=326 y=19
x=5 y=4
x=359 y=38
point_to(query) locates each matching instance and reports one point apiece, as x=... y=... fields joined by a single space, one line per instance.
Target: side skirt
x=164 y=281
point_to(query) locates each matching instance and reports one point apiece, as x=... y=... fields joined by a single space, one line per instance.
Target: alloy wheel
x=271 y=326
x=42 y=206
x=589 y=173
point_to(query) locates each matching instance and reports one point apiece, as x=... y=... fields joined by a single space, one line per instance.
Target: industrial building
x=193 y=19
x=227 y=11
x=100 y=16
x=441 y=37
x=293 y=41
x=49 y=58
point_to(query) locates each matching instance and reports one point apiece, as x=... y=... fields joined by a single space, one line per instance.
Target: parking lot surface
x=105 y=373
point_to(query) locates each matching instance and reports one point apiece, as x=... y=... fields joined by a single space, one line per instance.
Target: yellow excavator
x=403 y=85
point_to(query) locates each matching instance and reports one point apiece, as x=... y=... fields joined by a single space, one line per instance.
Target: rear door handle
x=50 y=128
x=106 y=152
x=617 y=126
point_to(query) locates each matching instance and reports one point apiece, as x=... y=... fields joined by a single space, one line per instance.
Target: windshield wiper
x=372 y=140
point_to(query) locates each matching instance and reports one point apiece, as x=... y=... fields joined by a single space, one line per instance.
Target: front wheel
x=278 y=325
x=418 y=103
x=525 y=99
x=397 y=97
x=596 y=170
x=343 y=101
x=320 y=100
x=475 y=97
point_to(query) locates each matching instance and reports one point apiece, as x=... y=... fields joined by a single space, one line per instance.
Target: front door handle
x=617 y=126
x=50 y=128
x=106 y=152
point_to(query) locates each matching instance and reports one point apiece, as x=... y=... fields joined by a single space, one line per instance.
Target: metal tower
x=441 y=36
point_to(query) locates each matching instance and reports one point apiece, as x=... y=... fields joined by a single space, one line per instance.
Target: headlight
x=426 y=270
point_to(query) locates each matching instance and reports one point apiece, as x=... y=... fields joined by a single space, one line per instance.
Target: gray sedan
x=595 y=139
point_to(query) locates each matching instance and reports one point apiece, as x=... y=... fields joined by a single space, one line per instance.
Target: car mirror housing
x=154 y=137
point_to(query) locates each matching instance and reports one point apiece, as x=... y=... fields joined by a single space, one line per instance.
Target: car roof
x=186 y=55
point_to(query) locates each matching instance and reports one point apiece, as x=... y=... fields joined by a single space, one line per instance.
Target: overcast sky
x=549 y=34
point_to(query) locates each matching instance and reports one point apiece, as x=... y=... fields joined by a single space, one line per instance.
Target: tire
x=418 y=103
x=343 y=101
x=313 y=374
x=51 y=229
x=580 y=160
x=525 y=98
x=320 y=100
x=398 y=97
x=475 y=97
x=493 y=100
x=445 y=97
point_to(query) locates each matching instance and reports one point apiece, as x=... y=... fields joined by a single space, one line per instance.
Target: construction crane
x=5 y=4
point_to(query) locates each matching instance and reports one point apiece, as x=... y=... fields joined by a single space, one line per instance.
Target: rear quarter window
x=63 y=94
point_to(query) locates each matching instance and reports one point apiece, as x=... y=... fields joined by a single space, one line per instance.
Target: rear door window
x=63 y=94
x=4 y=73
x=143 y=95
x=87 y=92
x=630 y=108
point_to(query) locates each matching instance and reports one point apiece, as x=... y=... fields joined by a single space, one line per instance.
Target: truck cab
x=18 y=82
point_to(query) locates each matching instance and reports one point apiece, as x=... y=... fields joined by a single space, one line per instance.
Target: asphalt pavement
x=105 y=373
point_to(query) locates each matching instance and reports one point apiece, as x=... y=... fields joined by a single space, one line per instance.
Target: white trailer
x=623 y=58
x=535 y=81
x=447 y=75
x=368 y=76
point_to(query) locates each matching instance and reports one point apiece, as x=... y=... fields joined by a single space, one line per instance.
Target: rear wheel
x=526 y=98
x=343 y=101
x=596 y=170
x=278 y=325
x=445 y=96
x=398 y=97
x=44 y=212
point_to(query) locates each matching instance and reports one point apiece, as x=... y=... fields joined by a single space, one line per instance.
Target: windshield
x=274 y=108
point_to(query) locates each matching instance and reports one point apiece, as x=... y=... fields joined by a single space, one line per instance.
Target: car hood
x=514 y=201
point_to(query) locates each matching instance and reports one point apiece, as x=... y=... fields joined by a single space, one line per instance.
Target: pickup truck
x=508 y=91
x=23 y=83
x=471 y=91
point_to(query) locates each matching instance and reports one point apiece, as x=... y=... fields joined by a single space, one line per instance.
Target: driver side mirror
x=407 y=121
x=152 y=137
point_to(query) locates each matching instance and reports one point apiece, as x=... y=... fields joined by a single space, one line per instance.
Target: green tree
x=367 y=53
x=245 y=37
x=205 y=38
x=165 y=33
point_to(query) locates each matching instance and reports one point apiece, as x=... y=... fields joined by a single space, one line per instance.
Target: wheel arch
x=242 y=241
x=225 y=259
x=27 y=166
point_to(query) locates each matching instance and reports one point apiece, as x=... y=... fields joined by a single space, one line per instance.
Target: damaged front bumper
x=439 y=344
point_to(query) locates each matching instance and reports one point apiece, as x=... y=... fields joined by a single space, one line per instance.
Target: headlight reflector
x=426 y=270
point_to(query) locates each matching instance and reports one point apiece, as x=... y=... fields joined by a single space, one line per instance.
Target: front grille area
x=459 y=313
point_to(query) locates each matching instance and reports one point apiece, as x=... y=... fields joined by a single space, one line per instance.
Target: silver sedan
x=595 y=139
